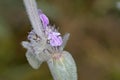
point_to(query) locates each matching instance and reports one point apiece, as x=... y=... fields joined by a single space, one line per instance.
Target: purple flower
x=54 y=37
x=43 y=18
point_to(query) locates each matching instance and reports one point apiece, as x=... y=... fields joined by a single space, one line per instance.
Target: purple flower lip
x=44 y=19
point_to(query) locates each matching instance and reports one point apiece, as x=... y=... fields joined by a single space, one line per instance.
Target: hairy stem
x=32 y=11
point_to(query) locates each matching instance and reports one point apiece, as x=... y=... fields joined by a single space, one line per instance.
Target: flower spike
x=45 y=44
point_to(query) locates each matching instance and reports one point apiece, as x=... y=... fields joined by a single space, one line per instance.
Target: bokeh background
x=94 y=43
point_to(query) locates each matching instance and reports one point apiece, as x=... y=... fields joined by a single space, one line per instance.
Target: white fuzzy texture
x=32 y=11
x=62 y=66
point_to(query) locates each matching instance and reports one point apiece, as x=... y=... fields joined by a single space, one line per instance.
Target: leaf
x=33 y=60
x=63 y=67
x=65 y=39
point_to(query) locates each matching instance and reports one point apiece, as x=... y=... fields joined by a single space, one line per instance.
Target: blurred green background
x=94 y=26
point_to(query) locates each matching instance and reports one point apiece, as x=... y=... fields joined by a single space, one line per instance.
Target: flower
x=44 y=19
x=54 y=37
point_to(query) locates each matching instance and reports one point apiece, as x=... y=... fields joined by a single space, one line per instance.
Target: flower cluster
x=54 y=37
x=45 y=44
x=41 y=47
